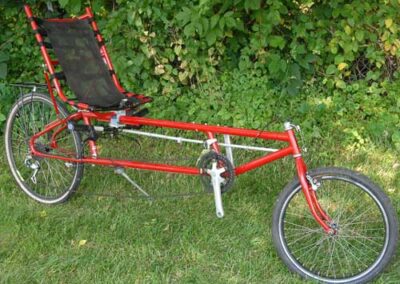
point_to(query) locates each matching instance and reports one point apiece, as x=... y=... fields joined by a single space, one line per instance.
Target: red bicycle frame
x=88 y=116
x=210 y=131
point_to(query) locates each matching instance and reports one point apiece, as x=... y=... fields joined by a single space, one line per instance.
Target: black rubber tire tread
x=64 y=112
x=358 y=178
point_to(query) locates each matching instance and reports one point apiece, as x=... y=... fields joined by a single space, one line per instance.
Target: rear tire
x=55 y=180
x=367 y=229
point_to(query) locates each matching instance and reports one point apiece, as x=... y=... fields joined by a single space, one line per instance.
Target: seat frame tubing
x=51 y=64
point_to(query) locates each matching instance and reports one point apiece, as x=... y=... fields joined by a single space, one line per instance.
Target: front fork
x=309 y=186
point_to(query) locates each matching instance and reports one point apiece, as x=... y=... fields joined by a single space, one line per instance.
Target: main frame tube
x=288 y=136
x=207 y=129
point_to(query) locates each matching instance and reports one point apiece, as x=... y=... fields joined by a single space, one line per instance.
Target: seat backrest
x=78 y=53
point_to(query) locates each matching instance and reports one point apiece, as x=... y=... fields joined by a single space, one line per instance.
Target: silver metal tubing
x=120 y=171
x=195 y=141
x=228 y=149
x=216 y=179
x=253 y=148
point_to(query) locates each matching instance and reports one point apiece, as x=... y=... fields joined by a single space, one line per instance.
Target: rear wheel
x=45 y=180
x=366 y=224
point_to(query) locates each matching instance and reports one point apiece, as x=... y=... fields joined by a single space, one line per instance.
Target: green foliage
x=4 y=57
x=167 y=46
x=362 y=114
x=241 y=62
x=7 y=97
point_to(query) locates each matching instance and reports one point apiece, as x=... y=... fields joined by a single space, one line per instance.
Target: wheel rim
x=54 y=178
x=362 y=237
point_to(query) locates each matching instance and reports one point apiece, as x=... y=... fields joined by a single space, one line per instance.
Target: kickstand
x=216 y=179
x=121 y=171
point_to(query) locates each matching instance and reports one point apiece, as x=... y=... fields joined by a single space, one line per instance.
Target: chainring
x=205 y=163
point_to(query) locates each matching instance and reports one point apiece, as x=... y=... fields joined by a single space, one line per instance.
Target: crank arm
x=216 y=180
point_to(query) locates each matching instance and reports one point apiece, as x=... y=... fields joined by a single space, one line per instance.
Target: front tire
x=367 y=225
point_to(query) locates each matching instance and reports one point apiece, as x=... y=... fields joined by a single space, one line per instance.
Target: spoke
x=308 y=246
x=317 y=253
x=312 y=245
x=42 y=172
x=296 y=231
x=22 y=129
x=360 y=251
x=312 y=259
x=363 y=237
x=339 y=260
x=61 y=168
x=331 y=258
x=308 y=216
x=301 y=238
x=306 y=229
x=22 y=116
x=42 y=112
x=364 y=245
x=359 y=223
x=347 y=197
x=360 y=238
x=346 y=254
x=356 y=218
x=53 y=177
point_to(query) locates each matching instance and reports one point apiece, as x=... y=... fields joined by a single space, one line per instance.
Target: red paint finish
x=50 y=89
x=280 y=136
x=46 y=57
x=263 y=160
x=106 y=117
x=88 y=116
x=315 y=208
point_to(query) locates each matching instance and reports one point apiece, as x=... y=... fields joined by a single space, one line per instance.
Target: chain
x=153 y=195
x=151 y=198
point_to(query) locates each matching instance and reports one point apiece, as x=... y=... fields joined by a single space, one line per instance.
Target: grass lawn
x=95 y=238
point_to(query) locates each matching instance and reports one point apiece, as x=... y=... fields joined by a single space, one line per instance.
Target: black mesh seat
x=86 y=73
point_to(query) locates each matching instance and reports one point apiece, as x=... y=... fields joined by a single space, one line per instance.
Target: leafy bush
x=241 y=62
x=356 y=116
x=7 y=97
x=165 y=46
x=291 y=43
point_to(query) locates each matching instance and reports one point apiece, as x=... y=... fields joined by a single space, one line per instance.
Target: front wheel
x=367 y=228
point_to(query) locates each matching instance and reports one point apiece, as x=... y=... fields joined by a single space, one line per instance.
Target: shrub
x=217 y=60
